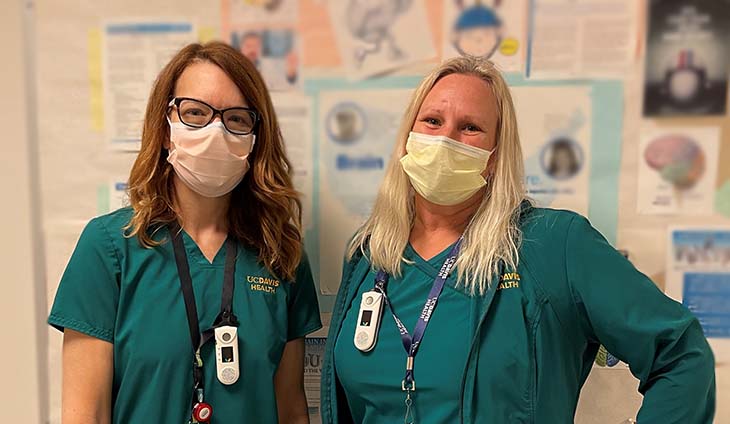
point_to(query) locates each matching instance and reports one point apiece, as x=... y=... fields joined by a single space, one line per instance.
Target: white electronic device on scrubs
x=368 y=320
x=226 y=354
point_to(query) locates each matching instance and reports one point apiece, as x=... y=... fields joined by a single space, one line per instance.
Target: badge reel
x=202 y=412
x=368 y=320
x=226 y=354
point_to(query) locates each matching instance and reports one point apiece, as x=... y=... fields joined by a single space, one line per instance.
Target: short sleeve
x=87 y=296
x=303 y=307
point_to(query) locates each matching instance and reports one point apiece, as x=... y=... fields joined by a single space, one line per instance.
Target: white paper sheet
x=357 y=135
x=254 y=12
x=118 y=193
x=313 y=358
x=698 y=275
x=375 y=36
x=61 y=238
x=294 y=116
x=583 y=38
x=555 y=131
x=266 y=33
x=483 y=29
x=134 y=52
x=677 y=170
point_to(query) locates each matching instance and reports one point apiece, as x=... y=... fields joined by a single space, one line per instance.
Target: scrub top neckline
x=431 y=266
x=196 y=255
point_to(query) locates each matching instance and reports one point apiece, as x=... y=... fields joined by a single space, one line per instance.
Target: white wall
x=22 y=302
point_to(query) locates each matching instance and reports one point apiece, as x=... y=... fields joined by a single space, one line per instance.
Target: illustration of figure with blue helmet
x=478 y=30
x=371 y=21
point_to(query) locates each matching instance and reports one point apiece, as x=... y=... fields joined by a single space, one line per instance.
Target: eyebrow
x=470 y=118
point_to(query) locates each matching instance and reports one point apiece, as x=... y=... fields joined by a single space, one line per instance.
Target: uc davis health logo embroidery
x=264 y=284
x=509 y=280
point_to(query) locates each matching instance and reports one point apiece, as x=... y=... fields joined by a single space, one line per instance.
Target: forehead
x=461 y=92
x=209 y=83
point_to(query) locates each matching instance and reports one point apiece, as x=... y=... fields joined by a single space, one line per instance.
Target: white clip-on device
x=368 y=320
x=226 y=354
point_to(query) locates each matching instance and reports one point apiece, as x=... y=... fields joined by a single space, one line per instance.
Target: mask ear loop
x=492 y=156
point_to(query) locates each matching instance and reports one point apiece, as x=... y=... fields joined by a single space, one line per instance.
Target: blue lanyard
x=411 y=343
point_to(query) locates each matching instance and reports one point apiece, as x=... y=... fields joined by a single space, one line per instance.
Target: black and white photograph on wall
x=687 y=60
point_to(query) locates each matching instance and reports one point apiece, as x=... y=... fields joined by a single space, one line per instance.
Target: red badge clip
x=202 y=412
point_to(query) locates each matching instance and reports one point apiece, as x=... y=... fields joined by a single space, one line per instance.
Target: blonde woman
x=192 y=304
x=461 y=302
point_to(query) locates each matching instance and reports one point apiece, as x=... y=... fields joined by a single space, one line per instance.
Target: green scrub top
x=534 y=334
x=372 y=380
x=118 y=291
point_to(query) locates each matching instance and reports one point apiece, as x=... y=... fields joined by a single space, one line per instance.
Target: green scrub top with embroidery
x=118 y=291
x=372 y=380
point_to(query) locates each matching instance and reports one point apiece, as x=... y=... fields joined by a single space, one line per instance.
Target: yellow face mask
x=442 y=170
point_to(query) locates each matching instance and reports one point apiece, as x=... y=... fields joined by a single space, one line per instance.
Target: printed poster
x=356 y=137
x=133 y=54
x=377 y=36
x=318 y=36
x=258 y=11
x=496 y=30
x=266 y=33
x=61 y=238
x=118 y=197
x=698 y=275
x=687 y=57
x=573 y=39
x=294 y=117
x=555 y=132
x=677 y=170
x=313 y=359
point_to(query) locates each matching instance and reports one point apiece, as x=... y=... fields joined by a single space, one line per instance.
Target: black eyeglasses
x=197 y=114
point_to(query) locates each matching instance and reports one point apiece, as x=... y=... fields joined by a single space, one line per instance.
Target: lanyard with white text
x=225 y=317
x=411 y=343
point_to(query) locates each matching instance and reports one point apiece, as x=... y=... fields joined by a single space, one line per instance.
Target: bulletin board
x=592 y=76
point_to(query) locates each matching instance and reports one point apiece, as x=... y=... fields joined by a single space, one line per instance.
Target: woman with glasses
x=192 y=304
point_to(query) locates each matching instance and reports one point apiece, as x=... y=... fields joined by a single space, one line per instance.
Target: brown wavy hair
x=264 y=211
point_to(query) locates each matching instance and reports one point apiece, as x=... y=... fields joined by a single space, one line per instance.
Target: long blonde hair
x=265 y=210
x=493 y=236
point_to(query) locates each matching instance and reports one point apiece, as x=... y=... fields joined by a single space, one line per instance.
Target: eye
x=434 y=122
x=471 y=128
x=194 y=112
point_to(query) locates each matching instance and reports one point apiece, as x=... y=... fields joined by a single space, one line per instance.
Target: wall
x=71 y=169
x=22 y=304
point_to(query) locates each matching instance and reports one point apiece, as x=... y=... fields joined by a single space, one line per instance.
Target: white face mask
x=442 y=170
x=209 y=160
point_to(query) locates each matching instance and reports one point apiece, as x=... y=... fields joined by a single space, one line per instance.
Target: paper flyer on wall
x=356 y=137
x=582 y=38
x=555 y=131
x=698 y=275
x=381 y=35
x=677 y=170
x=318 y=37
x=687 y=57
x=495 y=29
x=266 y=33
x=293 y=113
x=133 y=54
x=313 y=358
x=118 y=194
x=60 y=239
x=252 y=12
